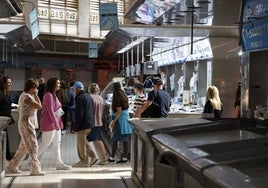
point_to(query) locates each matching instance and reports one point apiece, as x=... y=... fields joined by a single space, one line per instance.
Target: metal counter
x=4 y=121
x=143 y=151
x=224 y=155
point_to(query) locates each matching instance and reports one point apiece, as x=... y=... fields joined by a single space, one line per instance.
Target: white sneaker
x=81 y=164
x=103 y=162
x=63 y=166
x=93 y=160
x=13 y=170
x=37 y=173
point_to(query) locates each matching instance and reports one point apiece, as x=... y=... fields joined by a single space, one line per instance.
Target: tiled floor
x=97 y=176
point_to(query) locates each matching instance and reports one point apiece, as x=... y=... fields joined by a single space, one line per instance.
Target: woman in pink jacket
x=51 y=123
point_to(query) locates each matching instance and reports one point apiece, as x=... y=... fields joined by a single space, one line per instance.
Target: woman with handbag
x=29 y=103
x=51 y=122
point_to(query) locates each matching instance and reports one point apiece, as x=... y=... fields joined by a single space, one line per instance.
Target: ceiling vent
x=10 y=8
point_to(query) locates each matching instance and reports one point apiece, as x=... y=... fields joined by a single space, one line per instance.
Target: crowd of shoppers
x=86 y=112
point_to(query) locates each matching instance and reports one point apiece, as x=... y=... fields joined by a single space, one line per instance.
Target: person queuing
x=84 y=122
x=28 y=105
x=213 y=107
x=121 y=129
x=237 y=102
x=64 y=97
x=158 y=103
x=51 y=122
x=72 y=108
x=140 y=98
x=41 y=88
x=95 y=134
x=5 y=107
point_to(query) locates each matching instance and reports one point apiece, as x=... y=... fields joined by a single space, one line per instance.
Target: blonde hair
x=213 y=96
x=94 y=88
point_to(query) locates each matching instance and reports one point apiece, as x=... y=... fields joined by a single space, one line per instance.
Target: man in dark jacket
x=158 y=103
x=84 y=122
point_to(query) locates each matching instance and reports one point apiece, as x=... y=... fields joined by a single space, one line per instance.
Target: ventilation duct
x=10 y=8
x=22 y=37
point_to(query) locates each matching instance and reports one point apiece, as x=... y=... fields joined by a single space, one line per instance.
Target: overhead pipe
x=3 y=51
x=6 y=51
x=138 y=53
x=132 y=56
x=123 y=63
x=127 y=59
x=192 y=30
x=151 y=47
x=118 y=66
x=142 y=52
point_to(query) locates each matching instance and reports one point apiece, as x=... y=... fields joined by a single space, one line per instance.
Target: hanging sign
x=108 y=16
x=255 y=35
x=255 y=25
x=93 y=50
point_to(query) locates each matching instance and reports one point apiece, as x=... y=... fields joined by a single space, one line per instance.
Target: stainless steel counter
x=218 y=156
x=143 y=151
x=4 y=121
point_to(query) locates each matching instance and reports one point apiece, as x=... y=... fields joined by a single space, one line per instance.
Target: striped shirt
x=139 y=101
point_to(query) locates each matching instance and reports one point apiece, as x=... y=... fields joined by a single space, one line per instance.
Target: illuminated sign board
x=255 y=25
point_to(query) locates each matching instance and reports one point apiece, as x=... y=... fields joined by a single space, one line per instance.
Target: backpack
x=154 y=110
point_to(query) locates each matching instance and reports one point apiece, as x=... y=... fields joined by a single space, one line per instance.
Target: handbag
x=58 y=113
x=154 y=110
x=207 y=115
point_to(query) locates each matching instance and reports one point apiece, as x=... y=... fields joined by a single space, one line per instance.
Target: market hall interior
x=189 y=44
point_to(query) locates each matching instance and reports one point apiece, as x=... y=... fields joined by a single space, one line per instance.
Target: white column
x=83 y=24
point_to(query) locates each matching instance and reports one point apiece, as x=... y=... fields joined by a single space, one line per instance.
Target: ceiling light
x=132 y=44
x=204 y=2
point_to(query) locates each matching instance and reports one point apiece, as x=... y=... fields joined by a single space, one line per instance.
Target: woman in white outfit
x=51 y=123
